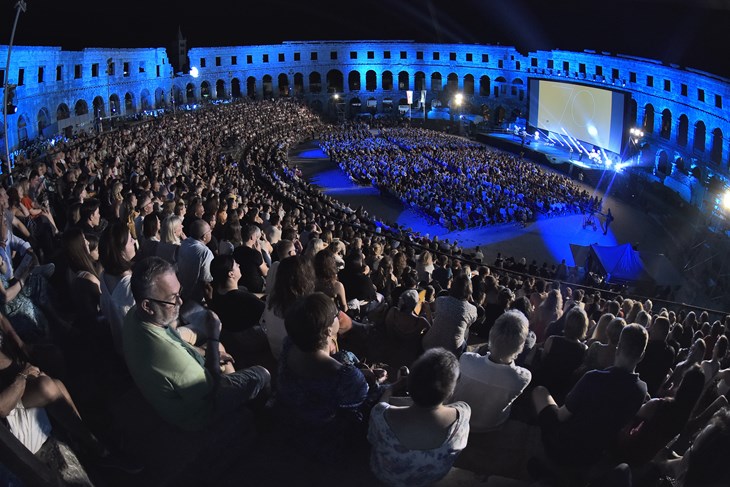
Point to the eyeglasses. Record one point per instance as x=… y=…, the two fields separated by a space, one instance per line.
x=177 y=297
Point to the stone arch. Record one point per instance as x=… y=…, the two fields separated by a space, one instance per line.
x=666 y=128
x=371 y=81
x=452 y=84
x=335 y=81
x=220 y=89
x=700 y=134
x=176 y=95
x=716 y=147
x=682 y=130
x=81 y=107
x=43 y=119
x=298 y=83
x=23 y=129
x=267 y=83
x=62 y=112
x=387 y=81
x=353 y=80
x=315 y=84
x=251 y=87
x=403 y=81
x=159 y=98
x=500 y=86
x=355 y=106
x=283 y=82
x=499 y=114
x=204 y=91
x=486 y=112
x=129 y=105
x=648 y=122
x=436 y=82
x=236 y=88
x=485 y=86
x=517 y=88
x=469 y=84
x=190 y=93
x=420 y=81
x=662 y=162
x=99 y=109
x=114 y=104
x=145 y=100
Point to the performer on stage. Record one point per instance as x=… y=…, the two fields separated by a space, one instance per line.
x=609 y=219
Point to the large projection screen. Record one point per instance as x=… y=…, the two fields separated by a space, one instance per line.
x=591 y=115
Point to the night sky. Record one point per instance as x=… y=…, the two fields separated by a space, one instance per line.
x=691 y=33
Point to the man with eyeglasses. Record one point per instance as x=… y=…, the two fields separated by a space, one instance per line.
x=187 y=388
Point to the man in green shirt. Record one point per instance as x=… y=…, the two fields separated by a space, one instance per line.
x=186 y=388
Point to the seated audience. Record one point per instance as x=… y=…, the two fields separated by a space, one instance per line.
x=601 y=403
x=491 y=383
x=404 y=330
x=453 y=315
x=320 y=400
x=186 y=388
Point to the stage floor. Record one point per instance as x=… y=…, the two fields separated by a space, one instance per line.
x=555 y=153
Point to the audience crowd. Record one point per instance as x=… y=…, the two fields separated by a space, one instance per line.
x=187 y=250
x=455 y=181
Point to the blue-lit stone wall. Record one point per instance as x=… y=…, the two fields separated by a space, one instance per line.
x=682 y=111
x=64 y=91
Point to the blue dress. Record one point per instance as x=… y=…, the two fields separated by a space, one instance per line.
x=321 y=414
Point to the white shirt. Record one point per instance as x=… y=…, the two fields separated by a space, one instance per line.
x=489 y=388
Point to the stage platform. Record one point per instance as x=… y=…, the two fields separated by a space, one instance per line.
x=544 y=151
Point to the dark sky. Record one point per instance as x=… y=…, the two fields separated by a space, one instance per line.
x=690 y=33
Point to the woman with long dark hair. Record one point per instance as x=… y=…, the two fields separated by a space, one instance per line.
x=294 y=279
x=116 y=251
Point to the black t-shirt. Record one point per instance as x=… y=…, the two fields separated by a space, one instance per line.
x=653 y=369
x=357 y=285
x=238 y=310
x=250 y=261
x=601 y=403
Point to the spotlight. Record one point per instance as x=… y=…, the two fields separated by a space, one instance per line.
x=194 y=72
x=726 y=200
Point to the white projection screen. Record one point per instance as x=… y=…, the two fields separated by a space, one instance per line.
x=591 y=115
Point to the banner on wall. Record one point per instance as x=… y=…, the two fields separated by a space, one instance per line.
x=409 y=96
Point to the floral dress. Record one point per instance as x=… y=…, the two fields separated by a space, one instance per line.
x=26 y=317
x=395 y=465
